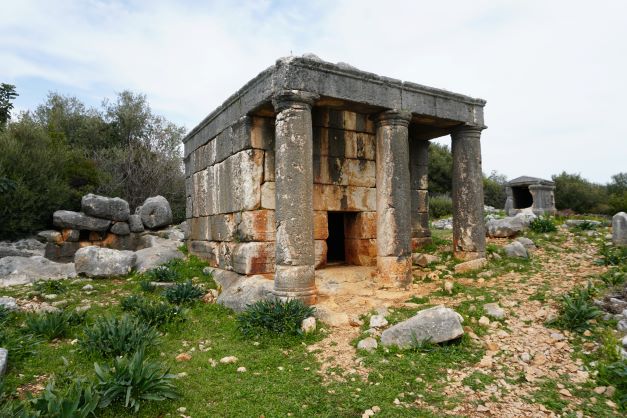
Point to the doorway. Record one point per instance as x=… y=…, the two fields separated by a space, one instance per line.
x=336 y=252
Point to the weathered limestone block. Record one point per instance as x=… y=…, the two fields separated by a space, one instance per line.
x=268 y=194
x=222 y=227
x=468 y=222
x=237 y=182
x=114 y=209
x=344 y=171
x=342 y=119
x=224 y=255
x=268 y=166
x=156 y=212
x=120 y=228
x=16 y=270
x=344 y=198
x=204 y=249
x=393 y=271
x=63 y=251
x=361 y=252
x=224 y=147
x=321 y=249
x=151 y=257
x=436 y=325
x=50 y=236
x=619 y=229
x=262 y=133
x=361 y=225
x=240 y=291
x=200 y=228
x=202 y=193
x=103 y=262
x=210 y=152
x=253 y=258
x=420 y=201
x=135 y=223
x=320 y=225
x=342 y=143
x=196 y=195
x=257 y=225
x=77 y=220
x=71 y=235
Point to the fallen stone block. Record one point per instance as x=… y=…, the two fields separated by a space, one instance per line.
x=516 y=249
x=22 y=270
x=76 y=220
x=103 y=262
x=422 y=260
x=435 y=325
x=476 y=264
x=155 y=212
x=239 y=291
x=112 y=208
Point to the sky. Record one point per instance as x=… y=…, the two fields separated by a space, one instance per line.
x=554 y=73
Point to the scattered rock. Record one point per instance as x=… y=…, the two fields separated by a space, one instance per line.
x=308 y=325
x=155 y=212
x=484 y=321
x=228 y=360
x=240 y=291
x=241 y=369
x=476 y=264
x=525 y=357
x=446 y=223
x=77 y=220
x=161 y=251
x=50 y=236
x=423 y=260
x=87 y=287
x=437 y=324
x=211 y=296
x=103 y=262
x=378 y=321
x=8 y=303
x=183 y=357
x=23 y=270
x=529 y=244
x=135 y=223
x=120 y=228
x=448 y=286
x=516 y=249
x=557 y=336
x=508 y=227
x=619 y=229
x=576 y=222
x=112 y=208
x=368 y=344
x=494 y=310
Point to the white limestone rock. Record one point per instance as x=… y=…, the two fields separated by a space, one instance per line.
x=516 y=249
x=155 y=212
x=23 y=270
x=619 y=229
x=437 y=325
x=103 y=262
x=112 y=208
x=369 y=344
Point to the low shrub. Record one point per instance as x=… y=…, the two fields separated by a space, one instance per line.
x=5 y=314
x=274 y=316
x=616 y=374
x=183 y=293
x=111 y=336
x=151 y=312
x=440 y=205
x=585 y=226
x=577 y=309
x=19 y=345
x=543 y=224
x=147 y=286
x=134 y=380
x=162 y=274
x=80 y=400
x=612 y=256
x=615 y=276
x=50 y=286
x=53 y=325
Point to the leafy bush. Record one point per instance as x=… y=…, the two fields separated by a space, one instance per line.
x=183 y=293
x=542 y=224
x=586 y=225
x=50 y=286
x=274 y=316
x=5 y=314
x=134 y=380
x=189 y=267
x=111 y=336
x=616 y=374
x=614 y=276
x=577 y=309
x=440 y=205
x=147 y=286
x=152 y=313
x=612 y=256
x=494 y=190
x=80 y=400
x=19 y=345
x=440 y=169
x=574 y=192
x=53 y=325
x=162 y=274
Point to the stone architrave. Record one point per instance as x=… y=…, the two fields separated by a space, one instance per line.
x=294 y=253
x=468 y=222
x=393 y=199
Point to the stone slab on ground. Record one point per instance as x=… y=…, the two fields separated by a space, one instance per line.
x=494 y=310
x=4 y=360
x=423 y=260
x=8 y=303
x=23 y=270
x=159 y=253
x=436 y=325
x=112 y=208
x=103 y=262
x=476 y=264
x=78 y=220
x=516 y=249
x=368 y=344
x=240 y=291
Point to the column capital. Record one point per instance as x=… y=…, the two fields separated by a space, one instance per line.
x=284 y=99
x=392 y=117
x=467 y=130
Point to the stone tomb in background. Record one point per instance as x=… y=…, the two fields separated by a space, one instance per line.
x=313 y=163
x=530 y=193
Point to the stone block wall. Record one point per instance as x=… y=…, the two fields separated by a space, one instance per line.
x=231 y=191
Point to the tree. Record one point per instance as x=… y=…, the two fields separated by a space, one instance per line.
x=440 y=169
x=7 y=95
x=576 y=193
x=494 y=190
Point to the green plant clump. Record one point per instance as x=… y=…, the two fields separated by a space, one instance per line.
x=53 y=325
x=111 y=336
x=274 y=316
x=50 y=286
x=134 y=380
x=162 y=274
x=183 y=293
x=577 y=309
x=80 y=400
x=151 y=312
x=542 y=225
x=612 y=256
x=17 y=344
x=440 y=205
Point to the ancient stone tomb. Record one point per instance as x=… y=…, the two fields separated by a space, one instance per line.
x=313 y=163
x=530 y=193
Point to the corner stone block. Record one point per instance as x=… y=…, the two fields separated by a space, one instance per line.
x=205 y=250
x=394 y=271
x=262 y=133
x=253 y=258
x=257 y=225
x=362 y=225
x=268 y=193
x=321 y=225
x=200 y=229
x=361 y=252
x=222 y=227
x=224 y=255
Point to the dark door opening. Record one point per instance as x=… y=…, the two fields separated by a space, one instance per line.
x=522 y=197
x=335 y=242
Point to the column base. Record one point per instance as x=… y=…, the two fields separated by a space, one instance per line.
x=295 y=282
x=394 y=272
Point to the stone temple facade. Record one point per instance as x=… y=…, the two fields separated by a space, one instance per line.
x=530 y=193
x=313 y=163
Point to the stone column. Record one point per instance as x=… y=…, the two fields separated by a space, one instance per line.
x=468 y=223
x=393 y=199
x=419 y=175
x=295 y=255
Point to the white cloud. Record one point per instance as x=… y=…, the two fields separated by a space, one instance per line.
x=552 y=72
